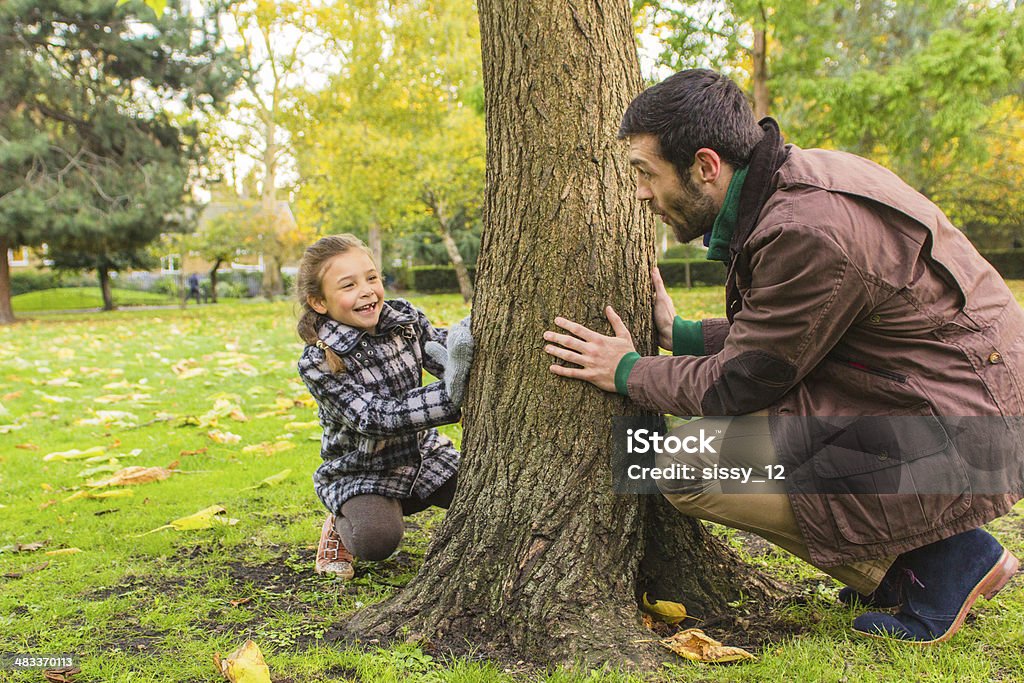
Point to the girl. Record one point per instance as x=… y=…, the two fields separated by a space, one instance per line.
x=363 y=362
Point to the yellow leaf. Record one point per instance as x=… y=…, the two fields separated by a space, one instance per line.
x=117 y=493
x=303 y=425
x=272 y=480
x=268 y=448
x=223 y=437
x=132 y=475
x=63 y=551
x=244 y=665
x=663 y=610
x=695 y=645
x=73 y=454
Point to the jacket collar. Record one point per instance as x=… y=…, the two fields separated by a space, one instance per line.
x=759 y=184
x=343 y=338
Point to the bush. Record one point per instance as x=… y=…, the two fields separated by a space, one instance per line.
x=34 y=281
x=1008 y=262
x=684 y=251
x=702 y=272
x=436 y=279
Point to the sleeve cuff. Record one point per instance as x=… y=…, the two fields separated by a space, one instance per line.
x=687 y=337
x=622 y=371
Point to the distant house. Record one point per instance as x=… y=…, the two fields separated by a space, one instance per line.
x=245 y=260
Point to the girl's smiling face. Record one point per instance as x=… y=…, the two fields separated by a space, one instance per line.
x=352 y=290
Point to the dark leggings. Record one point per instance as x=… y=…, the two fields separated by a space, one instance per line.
x=372 y=526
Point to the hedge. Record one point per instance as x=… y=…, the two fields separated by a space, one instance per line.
x=1008 y=262
x=435 y=279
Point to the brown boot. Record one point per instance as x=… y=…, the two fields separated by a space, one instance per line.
x=331 y=555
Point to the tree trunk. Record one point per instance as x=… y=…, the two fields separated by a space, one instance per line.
x=537 y=554
x=6 y=309
x=762 y=96
x=213 y=280
x=461 y=272
x=375 y=243
x=108 y=296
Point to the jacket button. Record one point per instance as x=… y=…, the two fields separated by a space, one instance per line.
x=994 y=358
x=875 y=319
x=883 y=455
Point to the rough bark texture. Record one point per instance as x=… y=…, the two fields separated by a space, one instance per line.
x=213 y=280
x=6 y=309
x=376 y=244
x=108 y=296
x=537 y=554
x=762 y=96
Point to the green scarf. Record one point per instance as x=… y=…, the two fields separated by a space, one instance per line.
x=725 y=222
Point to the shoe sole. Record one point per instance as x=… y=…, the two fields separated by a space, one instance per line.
x=990 y=584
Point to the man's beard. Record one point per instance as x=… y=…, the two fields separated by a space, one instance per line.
x=693 y=213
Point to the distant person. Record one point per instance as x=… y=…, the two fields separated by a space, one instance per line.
x=884 y=355
x=363 y=363
x=193 y=288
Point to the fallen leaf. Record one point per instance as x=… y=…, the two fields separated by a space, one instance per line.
x=116 y=493
x=204 y=519
x=31 y=570
x=11 y=396
x=132 y=475
x=315 y=424
x=65 y=675
x=240 y=601
x=63 y=551
x=272 y=480
x=695 y=645
x=23 y=547
x=73 y=454
x=27 y=446
x=198 y=451
x=244 y=665
x=43 y=506
x=269 y=448
x=223 y=437
x=663 y=610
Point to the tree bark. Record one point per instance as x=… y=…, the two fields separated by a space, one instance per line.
x=213 y=280
x=762 y=95
x=461 y=272
x=6 y=309
x=375 y=243
x=537 y=554
x=108 y=296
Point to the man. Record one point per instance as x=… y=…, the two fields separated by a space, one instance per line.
x=861 y=326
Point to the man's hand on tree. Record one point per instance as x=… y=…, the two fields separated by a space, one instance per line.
x=597 y=355
x=664 y=311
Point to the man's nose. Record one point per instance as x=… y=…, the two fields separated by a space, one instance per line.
x=643 y=192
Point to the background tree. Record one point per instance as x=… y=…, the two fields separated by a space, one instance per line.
x=537 y=553
x=274 y=42
x=929 y=88
x=94 y=165
x=396 y=135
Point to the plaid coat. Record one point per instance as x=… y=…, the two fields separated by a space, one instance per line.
x=377 y=419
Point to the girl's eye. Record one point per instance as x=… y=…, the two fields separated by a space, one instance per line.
x=348 y=285
x=372 y=278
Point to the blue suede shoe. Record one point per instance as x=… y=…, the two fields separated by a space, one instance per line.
x=944 y=580
x=888 y=594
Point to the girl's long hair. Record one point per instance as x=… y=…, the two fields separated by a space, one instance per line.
x=309 y=283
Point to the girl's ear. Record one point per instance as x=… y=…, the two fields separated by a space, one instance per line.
x=317 y=305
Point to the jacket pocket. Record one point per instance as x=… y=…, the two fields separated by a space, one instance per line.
x=891 y=477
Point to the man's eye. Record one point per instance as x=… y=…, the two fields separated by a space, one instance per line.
x=348 y=285
x=372 y=278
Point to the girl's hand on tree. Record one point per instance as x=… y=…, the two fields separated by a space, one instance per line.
x=597 y=355
x=664 y=311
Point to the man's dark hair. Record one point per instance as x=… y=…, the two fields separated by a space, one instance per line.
x=693 y=109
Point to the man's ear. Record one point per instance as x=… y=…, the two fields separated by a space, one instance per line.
x=707 y=164
x=317 y=305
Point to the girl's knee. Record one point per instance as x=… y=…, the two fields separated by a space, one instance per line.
x=371 y=538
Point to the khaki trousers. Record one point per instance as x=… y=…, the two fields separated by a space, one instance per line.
x=760 y=508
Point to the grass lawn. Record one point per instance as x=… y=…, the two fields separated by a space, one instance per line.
x=211 y=393
x=75 y=298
